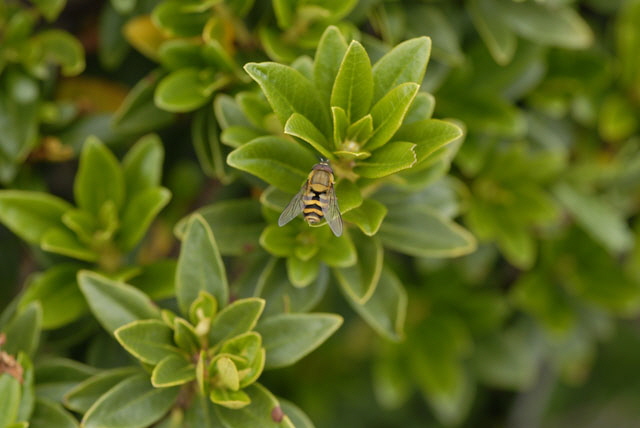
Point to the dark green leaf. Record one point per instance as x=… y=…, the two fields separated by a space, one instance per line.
x=23 y=331
x=83 y=395
x=56 y=376
x=61 y=48
x=143 y=165
x=360 y=281
x=139 y=213
x=200 y=266
x=258 y=413
x=289 y=337
x=116 y=409
x=495 y=33
x=50 y=414
x=114 y=303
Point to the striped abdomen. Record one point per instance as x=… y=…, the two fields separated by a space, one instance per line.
x=314 y=202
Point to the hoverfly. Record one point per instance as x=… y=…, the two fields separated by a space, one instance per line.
x=316 y=200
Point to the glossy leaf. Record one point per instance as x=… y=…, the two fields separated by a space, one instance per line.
x=289 y=92
x=389 y=112
x=329 y=54
x=353 y=87
x=407 y=62
x=289 y=337
x=200 y=266
x=114 y=303
x=301 y=127
x=280 y=162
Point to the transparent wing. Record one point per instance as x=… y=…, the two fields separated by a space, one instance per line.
x=293 y=209
x=332 y=212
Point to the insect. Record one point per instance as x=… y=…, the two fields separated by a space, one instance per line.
x=316 y=200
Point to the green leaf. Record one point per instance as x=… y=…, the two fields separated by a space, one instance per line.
x=329 y=54
x=150 y=341
x=50 y=9
x=557 y=26
x=63 y=241
x=289 y=337
x=302 y=272
x=301 y=127
x=601 y=221
x=138 y=114
x=57 y=376
x=280 y=162
x=239 y=317
x=50 y=414
x=112 y=46
x=100 y=178
x=10 y=391
x=156 y=280
x=353 y=87
x=340 y=126
x=429 y=135
x=236 y=223
x=61 y=48
x=229 y=399
x=289 y=92
x=419 y=231
x=187 y=89
x=385 y=310
x=298 y=418
x=173 y=370
x=348 y=195
x=30 y=214
x=496 y=34
x=185 y=336
x=368 y=216
x=138 y=215
x=204 y=134
x=28 y=394
x=117 y=409
x=23 y=331
x=113 y=303
x=360 y=130
x=200 y=266
x=389 y=112
x=87 y=392
x=178 y=19
x=391 y=158
x=142 y=165
x=58 y=293
x=407 y=62
x=257 y=413
x=360 y=281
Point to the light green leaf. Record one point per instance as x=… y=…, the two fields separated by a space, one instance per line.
x=302 y=272
x=185 y=336
x=389 y=112
x=348 y=195
x=360 y=130
x=353 y=87
x=385 y=310
x=133 y=403
x=30 y=214
x=200 y=267
x=258 y=412
x=289 y=92
x=289 y=337
x=329 y=54
x=100 y=178
x=142 y=165
x=50 y=9
x=10 y=391
x=150 y=341
x=138 y=215
x=61 y=48
x=239 y=317
x=229 y=399
x=280 y=162
x=360 y=281
x=173 y=370
x=389 y=159
x=113 y=303
x=407 y=62
x=179 y=20
x=299 y=126
x=63 y=241
x=429 y=135
x=340 y=125
x=368 y=216
x=187 y=89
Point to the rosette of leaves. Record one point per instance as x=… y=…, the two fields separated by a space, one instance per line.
x=299 y=25
x=29 y=60
x=115 y=205
x=200 y=366
x=375 y=127
x=195 y=43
